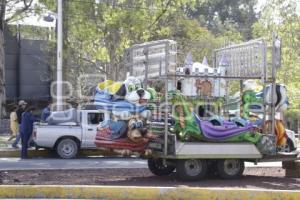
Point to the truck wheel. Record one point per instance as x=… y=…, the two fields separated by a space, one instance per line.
x=230 y=169
x=67 y=148
x=157 y=167
x=191 y=170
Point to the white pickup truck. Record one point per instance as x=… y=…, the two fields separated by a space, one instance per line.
x=67 y=135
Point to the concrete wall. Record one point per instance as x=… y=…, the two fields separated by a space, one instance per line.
x=11 y=57
x=34 y=73
x=28 y=74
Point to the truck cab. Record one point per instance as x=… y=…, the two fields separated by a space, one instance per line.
x=69 y=132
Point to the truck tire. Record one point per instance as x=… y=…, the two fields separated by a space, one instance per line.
x=231 y=168
x=156 y=166
x=191 y=170
x=67 y=148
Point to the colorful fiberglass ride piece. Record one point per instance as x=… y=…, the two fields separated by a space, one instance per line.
x=123 y=135
x=251 y=99
x=123 y=98
x=127 y=101
x=189 y=127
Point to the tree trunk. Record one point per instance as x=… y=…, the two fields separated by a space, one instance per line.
x=2 y=76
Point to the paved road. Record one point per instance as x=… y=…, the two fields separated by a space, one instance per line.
x=83 y=163
x=87 y=163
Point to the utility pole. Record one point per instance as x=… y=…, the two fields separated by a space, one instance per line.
x=59 y=54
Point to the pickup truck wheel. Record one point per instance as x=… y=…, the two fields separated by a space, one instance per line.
x=157 y=167
x=230 y=169
x=67 y=148
x=191 y=170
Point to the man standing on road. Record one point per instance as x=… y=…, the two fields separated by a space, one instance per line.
x=20 y=110
x=26 y=129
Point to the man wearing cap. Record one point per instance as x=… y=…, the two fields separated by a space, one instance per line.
x=26 y=129
x=21 y=108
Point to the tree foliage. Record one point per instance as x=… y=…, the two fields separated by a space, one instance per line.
x=223 y=15
x=96 y=34
x=281 y=17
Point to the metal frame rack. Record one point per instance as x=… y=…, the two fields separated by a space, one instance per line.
x=157 y=60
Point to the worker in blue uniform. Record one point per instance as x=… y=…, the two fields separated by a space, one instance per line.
x=46 y=112
x=26 y=129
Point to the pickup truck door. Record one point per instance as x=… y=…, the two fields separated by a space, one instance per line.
x=89 y=129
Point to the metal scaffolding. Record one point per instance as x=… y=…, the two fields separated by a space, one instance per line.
x=157 y=60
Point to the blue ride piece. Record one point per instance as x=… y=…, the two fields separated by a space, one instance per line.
x=104 y=100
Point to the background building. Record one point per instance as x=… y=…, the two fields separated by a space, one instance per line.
x=27 y=67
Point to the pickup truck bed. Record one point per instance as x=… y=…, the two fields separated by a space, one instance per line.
x=47 y=136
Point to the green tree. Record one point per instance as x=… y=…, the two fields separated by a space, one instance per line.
x=96 y=34
x=282 y=17
x=223 y=15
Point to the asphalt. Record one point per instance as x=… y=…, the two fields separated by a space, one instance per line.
x=7 y=164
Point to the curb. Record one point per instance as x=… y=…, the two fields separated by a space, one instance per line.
x=16 y=153
x=123 y=192
x=12 y=153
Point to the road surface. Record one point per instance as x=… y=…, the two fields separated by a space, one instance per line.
x=253 y=178
x=87 y=163
x=131 y=172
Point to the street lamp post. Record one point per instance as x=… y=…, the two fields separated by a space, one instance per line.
x=59 y=54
